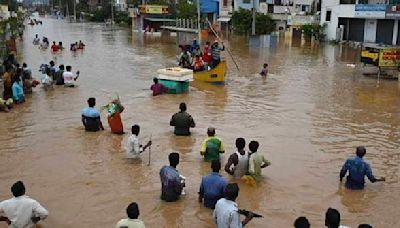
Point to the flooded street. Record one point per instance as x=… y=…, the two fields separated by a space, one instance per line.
x=308 y=115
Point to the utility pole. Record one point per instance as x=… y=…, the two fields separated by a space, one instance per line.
x=112 y=12
x=198 y=21
x=253 y=24
x=59 y=7
x=75 y=11
x=69 y=18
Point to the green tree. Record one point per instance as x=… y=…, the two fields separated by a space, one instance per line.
x=186 y=10
x=242 y=20
x=264 y=24
x=316 y=30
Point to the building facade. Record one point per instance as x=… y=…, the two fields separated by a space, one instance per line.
x=284 y=12
x=370 y=21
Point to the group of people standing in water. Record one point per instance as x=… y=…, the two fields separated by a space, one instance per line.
x=16 y=81
x=214 y=191
x=55 y=48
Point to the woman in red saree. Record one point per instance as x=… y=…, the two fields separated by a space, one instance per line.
x=114 y=116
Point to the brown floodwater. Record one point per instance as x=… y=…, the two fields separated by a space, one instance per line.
x=308 y=115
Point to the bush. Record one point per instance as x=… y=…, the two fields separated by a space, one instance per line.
x=316 y=30
x=98 y=16
x=122 y=18
x=242 y=20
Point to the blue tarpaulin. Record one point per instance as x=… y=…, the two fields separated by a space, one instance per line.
x=209 y=6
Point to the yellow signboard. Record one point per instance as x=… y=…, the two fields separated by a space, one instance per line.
x=389 y=57
x=154 y=9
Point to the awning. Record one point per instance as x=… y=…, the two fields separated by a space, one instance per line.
x=224 y=19
x=159 y=19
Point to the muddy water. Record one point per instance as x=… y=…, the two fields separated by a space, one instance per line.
x=309 y=115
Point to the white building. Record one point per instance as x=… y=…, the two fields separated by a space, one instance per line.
x=284 y=12
x=361 y=20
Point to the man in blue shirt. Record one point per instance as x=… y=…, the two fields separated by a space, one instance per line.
x=91 y=117
x=213 y=186
x=358 y=168
x=172 y=182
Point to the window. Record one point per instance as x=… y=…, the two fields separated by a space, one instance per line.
x=347 y=1
x=225 y=3
x=246 y=1
x=270 y=8
x=328 y=15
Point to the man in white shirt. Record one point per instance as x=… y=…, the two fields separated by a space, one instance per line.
x=332 y=219
x=69 y=77
x=132 y=221
x=134 y=148
x=21 y=211
x=226 y=213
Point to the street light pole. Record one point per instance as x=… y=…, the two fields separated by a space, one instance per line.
x=112 y=12
x=74 y=10
x=198 y=21
x=253 y=24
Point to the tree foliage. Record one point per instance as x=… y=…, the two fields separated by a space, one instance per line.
x=242 y=20
x=264 y=24
x=316 y=30
x=186 y=10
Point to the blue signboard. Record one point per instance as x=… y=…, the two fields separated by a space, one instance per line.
x=370 y=10
x=370 y=7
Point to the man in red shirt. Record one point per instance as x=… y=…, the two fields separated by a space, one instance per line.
x=158 y=88
x=54 y=47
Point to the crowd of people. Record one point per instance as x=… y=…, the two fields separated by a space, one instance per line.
x=193 y=58
x=214 y=191
x=17 y=81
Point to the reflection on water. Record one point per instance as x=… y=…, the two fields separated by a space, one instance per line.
x=309 y=114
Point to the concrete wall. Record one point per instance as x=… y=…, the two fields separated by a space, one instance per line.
x=337 y=10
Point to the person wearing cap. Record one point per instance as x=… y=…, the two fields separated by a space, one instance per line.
x=212 y=146
x=21 y=211
x=358 y=169
x=216 y=52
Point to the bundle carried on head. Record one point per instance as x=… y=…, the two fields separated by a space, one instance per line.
x=113 y=107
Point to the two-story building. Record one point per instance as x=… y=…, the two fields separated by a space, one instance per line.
x=284 y=12
x=372 y=21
